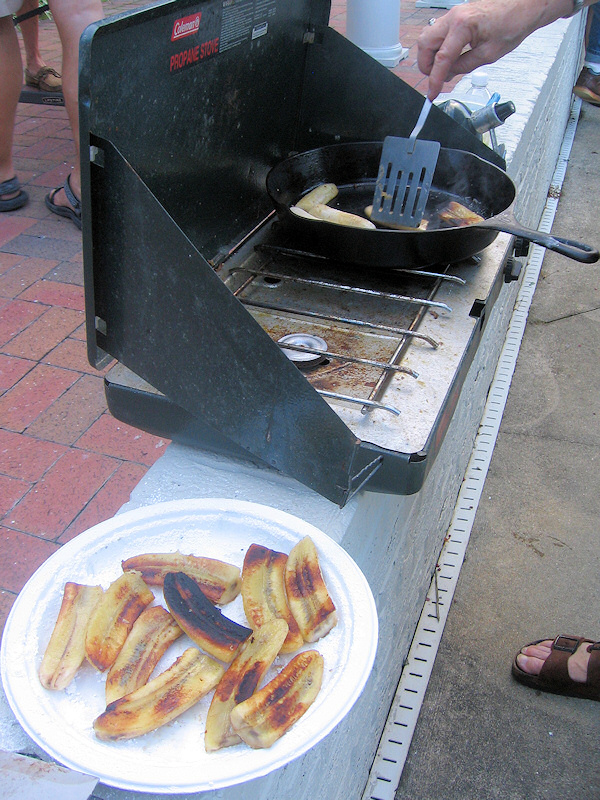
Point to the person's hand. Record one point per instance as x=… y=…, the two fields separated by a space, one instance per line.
x=473 y=34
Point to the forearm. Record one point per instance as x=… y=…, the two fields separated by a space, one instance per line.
x=477 y=33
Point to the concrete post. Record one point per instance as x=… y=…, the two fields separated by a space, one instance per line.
x=374 y=26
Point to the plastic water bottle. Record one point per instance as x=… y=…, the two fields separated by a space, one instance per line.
x=477 y=94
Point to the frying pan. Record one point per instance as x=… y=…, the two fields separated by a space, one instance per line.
x=459 y=175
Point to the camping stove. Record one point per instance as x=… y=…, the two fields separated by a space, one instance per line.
x=229 y=336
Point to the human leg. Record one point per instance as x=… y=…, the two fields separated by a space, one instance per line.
x=10 y=90
x=588 y=82
x=71 y=18
x=37 y=72
x=592 y=49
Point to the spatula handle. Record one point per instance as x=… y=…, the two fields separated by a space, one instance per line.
x=420 y=122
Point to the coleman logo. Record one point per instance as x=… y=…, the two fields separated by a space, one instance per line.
x=186 y=26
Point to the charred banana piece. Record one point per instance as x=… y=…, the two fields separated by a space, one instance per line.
x=263 y=592
x=162 y=699
x=66 y=649
x=113 y=618
x=205 y=624
x=268 y=714
x=241 y=680
x=152 y=633
x=307 y=594
x=219 y=581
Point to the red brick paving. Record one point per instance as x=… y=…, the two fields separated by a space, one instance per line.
x=65 y=462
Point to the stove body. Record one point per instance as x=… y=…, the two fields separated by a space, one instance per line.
x=190 y=281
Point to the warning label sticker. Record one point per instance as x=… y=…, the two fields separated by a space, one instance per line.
x=245 y=20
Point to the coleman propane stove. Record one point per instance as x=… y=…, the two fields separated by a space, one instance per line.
x=229 y=334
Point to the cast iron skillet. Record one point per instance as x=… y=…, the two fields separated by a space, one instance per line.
x=459 y=175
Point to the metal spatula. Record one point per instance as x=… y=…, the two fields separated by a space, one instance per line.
x=404 y=179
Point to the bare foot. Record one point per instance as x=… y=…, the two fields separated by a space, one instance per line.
x=531 y=660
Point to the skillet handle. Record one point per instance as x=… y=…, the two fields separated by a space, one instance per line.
x=566 y=247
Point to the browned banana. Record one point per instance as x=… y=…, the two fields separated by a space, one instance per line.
x=263 y=592
x=152 y=633
x=267 y=715
x=307 y=594
x=205 y=624
x=66 y=648
x=219 y=581
x=113 y=618
x=162 y=699
x=241 y=680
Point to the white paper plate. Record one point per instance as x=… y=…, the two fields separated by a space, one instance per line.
x=172 y=759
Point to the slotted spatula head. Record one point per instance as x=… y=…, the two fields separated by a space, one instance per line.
x=404 y=178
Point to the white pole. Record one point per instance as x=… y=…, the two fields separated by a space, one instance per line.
x=374 y=26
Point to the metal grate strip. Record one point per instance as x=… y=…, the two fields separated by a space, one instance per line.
x=394 y=745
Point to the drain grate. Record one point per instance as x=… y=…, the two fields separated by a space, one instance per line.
x=398 y=732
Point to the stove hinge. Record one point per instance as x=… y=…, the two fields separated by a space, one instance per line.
x=357 y=481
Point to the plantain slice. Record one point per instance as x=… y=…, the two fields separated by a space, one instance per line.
x=263 y=592
x=240 y=681
x=268 y=714
x=307 y=594
x=205 y=624
x=152 y=633
x=66 y=649
x=219 y=581
x=459 y=215
x=162 y=699
x=113 y=618
x=321 y=194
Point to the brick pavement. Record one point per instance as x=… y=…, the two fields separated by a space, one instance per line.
x=65 y=462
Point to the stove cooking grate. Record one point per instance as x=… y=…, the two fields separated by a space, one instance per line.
x=366 y=321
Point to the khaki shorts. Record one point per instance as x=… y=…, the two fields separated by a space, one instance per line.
x=9 y=7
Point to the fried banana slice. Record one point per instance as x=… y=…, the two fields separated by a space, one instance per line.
x=457 y=214
x=113 y=618
x=241 y=680
x=307 y=594
x=319 y=195
x=268 y=714
x=263 y=592
x=66 y=649
x=335 y=215
x=152 y=633
x=219 y=581
x=162 y=699
x=205 y=624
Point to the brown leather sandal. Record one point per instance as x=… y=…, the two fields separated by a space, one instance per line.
x=46 y=79
x=554 y=676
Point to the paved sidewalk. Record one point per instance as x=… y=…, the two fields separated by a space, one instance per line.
x=533 y=559
x=65 y=462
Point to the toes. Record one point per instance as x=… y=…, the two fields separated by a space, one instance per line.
x=530 y=664
x=541 y=650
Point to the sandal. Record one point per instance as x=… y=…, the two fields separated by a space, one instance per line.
x=46 y=79
x=72 y=212
x=554 y=676
x=12 y=203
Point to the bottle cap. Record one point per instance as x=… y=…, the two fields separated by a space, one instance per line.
x=479 y=78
